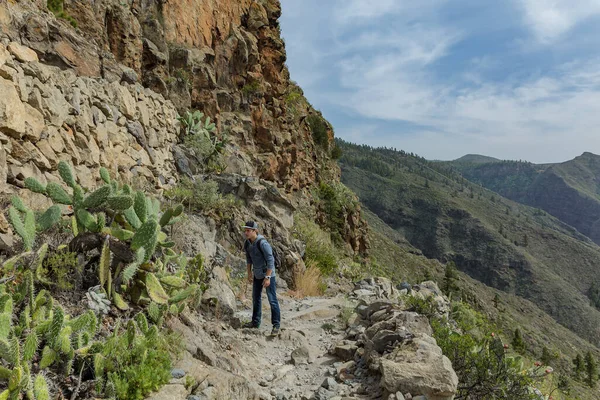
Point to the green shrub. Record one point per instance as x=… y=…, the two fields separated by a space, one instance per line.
x=196 y=271
x=57 y=7
x=549 y=357
x=345 y=315
x=319 y=247
x=328 y=327
x=481 y=360
x=450 y=277
x=184 y=76
x=470 y=321
x=421 y=306
x=354 y=271
x=594 y=294
x=63 y=269
x=336 y=201
x=139 y=367
x=336 y=152
x=293 y=101
x=204 y=196
x=201 y=137
x=319 y=129
x=252 y=88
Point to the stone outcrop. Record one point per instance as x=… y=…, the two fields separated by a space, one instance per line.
x=386 y=339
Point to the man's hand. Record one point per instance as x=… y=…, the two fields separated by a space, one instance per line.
x=249 y=277
x=266 y=282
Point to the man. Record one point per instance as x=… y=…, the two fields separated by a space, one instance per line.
x=261 y=273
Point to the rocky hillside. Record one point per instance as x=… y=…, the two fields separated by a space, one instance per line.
x=503 y=244
x=108 y=93
x=224 y=58
x=135 y=137
x=569 y=191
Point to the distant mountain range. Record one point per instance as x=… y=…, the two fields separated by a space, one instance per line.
x=445 y=211
x=570 y=191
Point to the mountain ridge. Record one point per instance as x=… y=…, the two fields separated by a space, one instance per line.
x=494 y=240
x=569 y=190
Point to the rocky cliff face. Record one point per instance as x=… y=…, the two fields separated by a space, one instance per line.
x=225 y=58
x=108 y=92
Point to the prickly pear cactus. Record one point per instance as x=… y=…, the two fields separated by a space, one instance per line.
x=66 y=173
x=58 y=194
x=119 y=203
x=96 y=198
x=34 y=185
x=155 y=290
x=49 y=218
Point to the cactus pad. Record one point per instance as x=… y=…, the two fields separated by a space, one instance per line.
x=87 y=220
x=40 y=388
x=34 y=185
x=49 y=356
x=140 y=206
x=58 y=194
x=183 y=294
x=119 y=203
x=49 y=218
x=166 y=217
x=173 y=281
x=105 y=175
x=97 y=197
x=66 y=173
x=119 y=302
x=132 y=218
x=155 y=289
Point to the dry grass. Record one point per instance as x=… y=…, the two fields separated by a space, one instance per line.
x=308 y=283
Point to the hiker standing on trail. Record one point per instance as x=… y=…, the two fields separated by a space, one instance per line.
x=260 y=260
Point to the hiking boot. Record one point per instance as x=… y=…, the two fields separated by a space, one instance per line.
x=251 y=325
x=275 y=331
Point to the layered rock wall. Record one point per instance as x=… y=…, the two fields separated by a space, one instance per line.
x=225 y=58
x=107 y=93
x=49 y=114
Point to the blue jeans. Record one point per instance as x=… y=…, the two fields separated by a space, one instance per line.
x=257 y=288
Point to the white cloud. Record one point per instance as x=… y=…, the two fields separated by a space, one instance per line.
x=549 y=19
x=357 y=11
x=543 y=114
x=351 y=56
x=352 y=10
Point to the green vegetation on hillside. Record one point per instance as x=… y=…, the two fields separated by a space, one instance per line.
x=200 y=136
x=485 y=366
x=430 y=209
x=57 y=7
x=570 y=191
x=319 y=129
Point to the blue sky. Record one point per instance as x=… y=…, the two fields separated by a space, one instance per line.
x=513 y=79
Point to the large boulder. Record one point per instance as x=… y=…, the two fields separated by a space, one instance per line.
x=305 y=354
x=219 y=294
x=419 y=367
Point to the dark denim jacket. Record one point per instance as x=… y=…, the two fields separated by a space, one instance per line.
x=259 y=263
